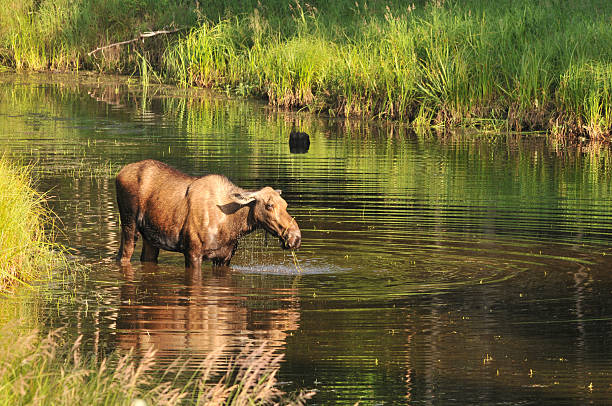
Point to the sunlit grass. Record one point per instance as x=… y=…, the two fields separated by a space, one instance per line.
x=58 y=34
x=534 y=66
x=26 y=248
x=38 y=369
x=475 y=63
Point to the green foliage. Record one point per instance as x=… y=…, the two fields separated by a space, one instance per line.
x=25 y=245
x=456 y=64
x=534 y=65
x=585 y=93
x=48 y=34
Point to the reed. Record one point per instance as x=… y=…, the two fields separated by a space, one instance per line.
x=41 y=369
x=26 y=247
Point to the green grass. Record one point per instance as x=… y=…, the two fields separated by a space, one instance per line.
x=533 y=65
x=41 y=369
x=57 y=35
x=530 y=65
x=25 y=244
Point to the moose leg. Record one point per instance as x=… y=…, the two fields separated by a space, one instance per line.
x=128 y=241
x=193 y=277
x=224 y=256
x=149 y=252
x=193 y=260
x=220 y=262
x=127 y=209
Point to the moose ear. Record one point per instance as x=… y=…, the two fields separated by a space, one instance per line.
x=243 y=197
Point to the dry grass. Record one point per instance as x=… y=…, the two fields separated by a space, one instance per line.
x=47 y=370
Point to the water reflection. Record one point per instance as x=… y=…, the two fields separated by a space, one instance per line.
x=434 y=269
x=210 y=310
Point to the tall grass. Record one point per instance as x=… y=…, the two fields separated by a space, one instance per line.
x=58 y=34
x=532 y=65
x=524 y=65
x=47 y=370
x=25 y=244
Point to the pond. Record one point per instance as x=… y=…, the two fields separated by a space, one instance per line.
x=434 y=269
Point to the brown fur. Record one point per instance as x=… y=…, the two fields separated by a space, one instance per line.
x=203 y=218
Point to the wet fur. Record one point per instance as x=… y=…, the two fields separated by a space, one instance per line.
x=197 y=216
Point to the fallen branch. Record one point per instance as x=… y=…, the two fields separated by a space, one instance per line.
x=141 y=36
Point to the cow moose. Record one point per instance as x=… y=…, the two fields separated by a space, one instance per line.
x=201 y=217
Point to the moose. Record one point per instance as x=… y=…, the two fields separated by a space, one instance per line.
x=200 y=217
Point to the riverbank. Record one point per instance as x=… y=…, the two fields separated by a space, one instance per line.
x=509 y=65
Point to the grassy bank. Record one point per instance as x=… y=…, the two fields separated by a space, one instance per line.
x=520 y=65
x=25 y=246
x=47 y=370
x=523 y=65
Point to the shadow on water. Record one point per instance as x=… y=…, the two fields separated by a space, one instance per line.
x=446 y=269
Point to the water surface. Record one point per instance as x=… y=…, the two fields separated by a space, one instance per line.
x=435 y=269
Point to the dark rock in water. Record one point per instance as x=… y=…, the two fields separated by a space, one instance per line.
x=299 y=142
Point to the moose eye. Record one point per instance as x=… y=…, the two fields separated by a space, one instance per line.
x=269 y=206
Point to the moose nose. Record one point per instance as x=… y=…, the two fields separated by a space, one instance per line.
x=294 y=239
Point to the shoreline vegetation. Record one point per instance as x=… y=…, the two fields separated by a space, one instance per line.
x=506 y=65
x=44 y=369
x=27 y=251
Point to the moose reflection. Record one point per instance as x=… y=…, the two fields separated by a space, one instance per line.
x=203 y=314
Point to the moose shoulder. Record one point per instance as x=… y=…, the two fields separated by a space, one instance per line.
x=201 y=217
